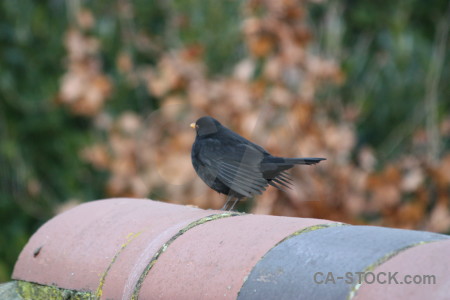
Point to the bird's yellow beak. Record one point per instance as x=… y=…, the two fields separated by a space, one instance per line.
x=193 y=125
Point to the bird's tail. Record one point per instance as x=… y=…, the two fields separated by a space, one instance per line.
x=303 y=160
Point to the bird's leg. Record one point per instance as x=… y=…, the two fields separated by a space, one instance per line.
x=236 y=200
x=230 y=196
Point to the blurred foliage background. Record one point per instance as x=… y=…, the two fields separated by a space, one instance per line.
x=96 y=99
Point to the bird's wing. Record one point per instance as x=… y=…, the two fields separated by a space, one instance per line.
x=282 y=181
x=242 y=178
x=238 y=167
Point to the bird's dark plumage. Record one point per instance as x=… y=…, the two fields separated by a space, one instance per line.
x=234 y=166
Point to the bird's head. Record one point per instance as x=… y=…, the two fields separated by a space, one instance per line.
x=206 y=125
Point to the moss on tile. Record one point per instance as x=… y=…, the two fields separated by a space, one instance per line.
x=29 y=290
x=130 y=237
x=379 y=262
x=170 y=241
x=311 y=228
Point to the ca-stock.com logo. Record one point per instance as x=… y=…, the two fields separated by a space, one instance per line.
x=352 y=278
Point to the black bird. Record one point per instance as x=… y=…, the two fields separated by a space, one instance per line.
x=234 y=166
